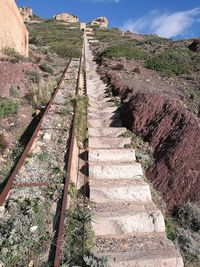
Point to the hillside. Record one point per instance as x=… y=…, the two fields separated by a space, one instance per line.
x=152 y=83
x=157 y=81
x=27 y=83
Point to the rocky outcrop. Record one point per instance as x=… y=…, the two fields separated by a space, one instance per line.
x=13 y=32
x=69 y=18
x=26 y=13
x=102 y=22
x=195 y=46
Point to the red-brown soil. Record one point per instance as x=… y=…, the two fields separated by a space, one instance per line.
x=155 y=108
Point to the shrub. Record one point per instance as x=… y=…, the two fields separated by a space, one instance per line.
x=33 y=76
x=45 y=67
x=8 y=107
x=171 y=228
x=13 y=91
x=188 y=216
x=123 y=50
x=170 y=63
x=8 y=51
x=41 y=94
x=92 y=261
x=3 y=142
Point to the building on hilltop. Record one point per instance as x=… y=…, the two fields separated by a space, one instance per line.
x=13 y=32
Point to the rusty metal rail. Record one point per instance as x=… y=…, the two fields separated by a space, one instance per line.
x=60 y=231
x=22 y=158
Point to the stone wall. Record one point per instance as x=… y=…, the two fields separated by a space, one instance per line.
x=13 y=32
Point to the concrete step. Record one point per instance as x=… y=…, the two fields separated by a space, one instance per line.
x=98 y=116
x=126 y=218
x=103 y=132
x=115 y=170
x=143 y=251
x=119 y=155
x=108 y=142
x=107 y=191
x=95 y=123
x=103 y=109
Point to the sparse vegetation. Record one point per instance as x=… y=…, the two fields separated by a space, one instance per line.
x=123 y=50
x=45 y=67
x=8 y=107
x=174 y=62
x=33 y=76
x=57 y=38
x=81 y=119
x=41 y=94
x=23 y=230
x=13 y=92
x=144 y=153
x=12 y=53
x=183 y=229
x=78 y=231
x=3 y=143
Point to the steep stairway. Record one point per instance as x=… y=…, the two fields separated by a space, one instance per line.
x=128 y=227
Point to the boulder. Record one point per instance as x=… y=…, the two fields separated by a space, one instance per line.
x=26 y=13
x=195 y=46
x=69 y=18
x=102 y=22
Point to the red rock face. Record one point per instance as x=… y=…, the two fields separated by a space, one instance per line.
x=175 y=135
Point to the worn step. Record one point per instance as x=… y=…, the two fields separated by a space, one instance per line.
x=126 y=218
x=103 y=109
x=119 y=155
x=97 y=116
x=115 y=170
x=107 y=191
x=143 y=251
x=108 y=142
x=106 y=131
x=95 y=123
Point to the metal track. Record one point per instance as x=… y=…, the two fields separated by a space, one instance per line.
x=24 y=155
x=60 y=231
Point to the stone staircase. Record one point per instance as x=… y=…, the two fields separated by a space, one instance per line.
x=128 y=227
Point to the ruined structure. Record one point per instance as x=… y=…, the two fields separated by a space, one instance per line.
x=102 y=22
x=26 y=13
x=69 y=18
x=13 y=32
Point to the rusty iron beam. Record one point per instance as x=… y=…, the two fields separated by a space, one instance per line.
x=21 y=160
x=36 y=184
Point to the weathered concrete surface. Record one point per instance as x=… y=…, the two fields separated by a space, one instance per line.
x=107 y=142
x=106 y=132
x=115 y=171
x=112 y=155
x=126 y=218
x=105 y=191
x=153 y=250
x=13 y=32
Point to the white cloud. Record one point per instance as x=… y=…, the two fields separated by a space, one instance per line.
x=166 y=25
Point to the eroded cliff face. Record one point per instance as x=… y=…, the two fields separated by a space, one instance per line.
x=174 y=133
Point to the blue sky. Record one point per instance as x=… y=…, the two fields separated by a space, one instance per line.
x=168 y=18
